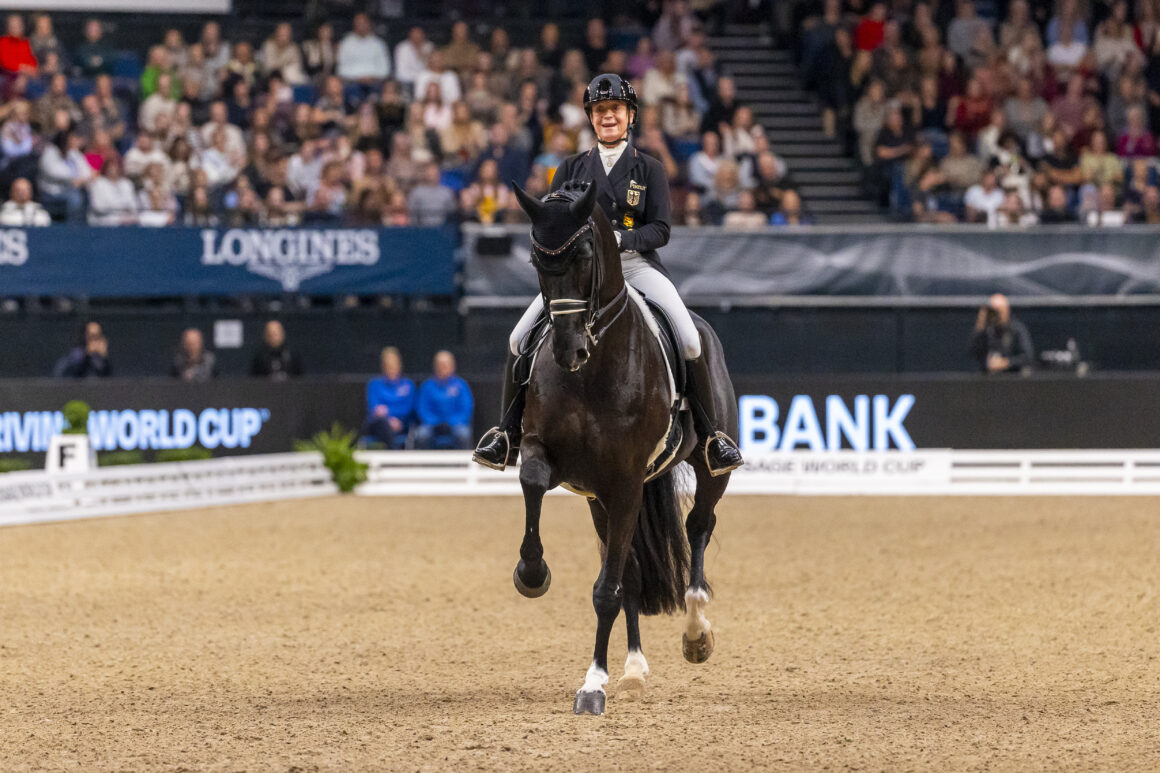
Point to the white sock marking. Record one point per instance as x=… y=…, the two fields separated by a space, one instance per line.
x=635 y=664
x=595 y=679
x=696 y=623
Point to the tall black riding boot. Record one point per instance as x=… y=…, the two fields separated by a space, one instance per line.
x=500 y=446
x=721 y=453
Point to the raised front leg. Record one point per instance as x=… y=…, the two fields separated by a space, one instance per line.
x=608 y=594
x=531 y=576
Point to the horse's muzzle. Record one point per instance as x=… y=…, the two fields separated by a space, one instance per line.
x=574 y=359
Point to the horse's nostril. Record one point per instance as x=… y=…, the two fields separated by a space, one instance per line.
x=582 y=354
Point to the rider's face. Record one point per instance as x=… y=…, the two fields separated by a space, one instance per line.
x=609 y=120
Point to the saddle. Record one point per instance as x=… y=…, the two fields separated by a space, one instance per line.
x=666 y=336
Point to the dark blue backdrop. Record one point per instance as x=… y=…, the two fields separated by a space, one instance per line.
x=132 y=262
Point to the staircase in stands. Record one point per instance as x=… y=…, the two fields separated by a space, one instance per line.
x=767 y=80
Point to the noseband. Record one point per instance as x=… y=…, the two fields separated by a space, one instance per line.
x=600 y=318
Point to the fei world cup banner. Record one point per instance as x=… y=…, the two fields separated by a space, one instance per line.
x=128 y=261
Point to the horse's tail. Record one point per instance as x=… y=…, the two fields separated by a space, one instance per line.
x=661 y=548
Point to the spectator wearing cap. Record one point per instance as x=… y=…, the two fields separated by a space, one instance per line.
x=112 y=199
x=362 y=56
x=20 y=209
x=16 y=55
x=64 y=174
x=281 y=54
x=411 y=57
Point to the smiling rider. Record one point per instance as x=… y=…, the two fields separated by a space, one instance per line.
x=633 y=191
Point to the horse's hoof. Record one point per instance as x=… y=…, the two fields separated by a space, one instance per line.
x=630 y=687
x=697 y=651
x=589 y=703
x=535 y=587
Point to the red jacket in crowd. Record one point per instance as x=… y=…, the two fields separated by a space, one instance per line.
x=16 y=54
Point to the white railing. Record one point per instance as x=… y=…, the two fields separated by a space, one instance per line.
x=33 y=497
x=935 y=472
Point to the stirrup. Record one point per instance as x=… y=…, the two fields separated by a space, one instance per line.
x=499 y=433
x=716 y=471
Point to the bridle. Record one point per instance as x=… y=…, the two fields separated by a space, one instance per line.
x=600 y=318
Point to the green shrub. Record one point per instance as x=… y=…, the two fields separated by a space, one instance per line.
x=14 y=465
x=191 y=454
x=117 y=458
x=76 y=418
x=337 y=449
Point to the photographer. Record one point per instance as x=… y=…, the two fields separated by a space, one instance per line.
x=89 y=358
x=1000 y=344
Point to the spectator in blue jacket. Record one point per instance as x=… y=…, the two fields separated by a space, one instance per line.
x=390 y=402
x=445 y=408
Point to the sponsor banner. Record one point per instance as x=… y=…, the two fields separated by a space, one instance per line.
x=133 y=262
x=226 y=417
x=891 y=261
x=838 y=472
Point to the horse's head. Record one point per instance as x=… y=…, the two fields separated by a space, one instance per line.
x=571 y=244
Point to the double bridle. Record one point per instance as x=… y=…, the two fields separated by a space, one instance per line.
x=600 y=318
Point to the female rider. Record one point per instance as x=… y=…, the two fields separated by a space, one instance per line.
x=633 y=191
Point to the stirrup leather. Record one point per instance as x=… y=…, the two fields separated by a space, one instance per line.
x=499 y=433
x=715 y=471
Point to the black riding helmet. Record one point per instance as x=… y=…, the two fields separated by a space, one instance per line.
x=609 y=86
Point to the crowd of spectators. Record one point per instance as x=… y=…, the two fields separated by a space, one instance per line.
x=1006 y=113
x=338 y=126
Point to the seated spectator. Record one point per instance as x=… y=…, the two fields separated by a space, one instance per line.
x=1061 y=165
x=319 y=53
x=661 y=81
x=984 y=199
x=460 y=53
x=770 y=183
x=281 y=54
x=241 y=66
x=487 y=199
x=595 y=44
x=217 y=53
x=1056 y=211
x=444 y=408
x=20 y=209
x=1098 y=165
x=465 y=138
x=56 y=98
x=436 y=113
x=725 y=193
x=960 y=170
x=512 y=161
x=362 y=56
x=198 y=79
x=1069 y=107
x=1115 y=49
x=18 y=142
x=1149 y=211
x=871 y=29
x=327 y=197
x=43 y=39
x=1013 y=212
x=679 y=117
x=219 y=119
x=16 y=55
x=1066 y=54
x=437 y=72
x=64 y=175
x=100 y=150
x=330 y=111
x=221 y=165
x=274 y=359
x=1000 y=343
x=411 y=57
x=157 y=64
x=746 y=216
x=159 y=102
x=1067 y=17
x=89 y=358
x=1136 y=141
x=390 y=402
x=891 y=148
x=1025 y=110
x=145 y=151
x=1130 y=92
x=869 y=118
x=94 y=56
x=1107 y=212
x=193 y=362
x=112 y=200
x=790 y=212
x=198 y=211
x=704 y=163
x=722 y=107
x=964 y=28
x=431 y=203
x=174 y=43
x=972 y=111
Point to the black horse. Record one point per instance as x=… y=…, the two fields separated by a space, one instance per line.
x=597 y=408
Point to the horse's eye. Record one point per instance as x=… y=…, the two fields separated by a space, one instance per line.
x=584 y=251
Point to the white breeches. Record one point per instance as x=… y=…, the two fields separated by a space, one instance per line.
x=646 y=279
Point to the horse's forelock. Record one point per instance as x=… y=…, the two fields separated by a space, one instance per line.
x=556 y=224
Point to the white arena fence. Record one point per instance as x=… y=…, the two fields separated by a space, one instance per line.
x=32 y=497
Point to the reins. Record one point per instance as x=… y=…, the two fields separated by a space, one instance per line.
x=596 y=325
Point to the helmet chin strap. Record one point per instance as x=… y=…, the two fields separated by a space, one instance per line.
x=614 y=143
